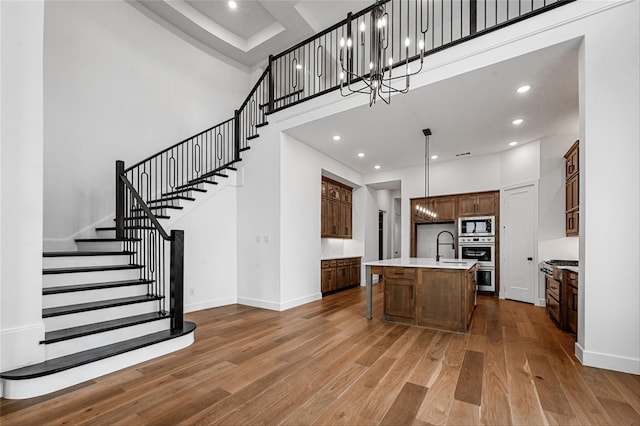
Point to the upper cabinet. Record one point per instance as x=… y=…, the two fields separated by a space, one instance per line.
x=572 y=190
x=443 y=207
x=337 y=209
x=478 y=204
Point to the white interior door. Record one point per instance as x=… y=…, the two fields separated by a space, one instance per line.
x=518 y=243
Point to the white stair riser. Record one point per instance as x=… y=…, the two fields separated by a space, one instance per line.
x=105 y=245
x=67 y=347
x=106 y=234
x=53 y=280
x=64 y=299
x=29 y=388
x=99 y=315
x=165 y=203
x=71 y=261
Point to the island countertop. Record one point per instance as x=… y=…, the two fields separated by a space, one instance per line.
x=423 y=262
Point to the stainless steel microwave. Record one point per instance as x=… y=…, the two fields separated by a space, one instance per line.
x=476 y=226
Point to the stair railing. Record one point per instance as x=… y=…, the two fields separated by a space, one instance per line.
x=146 y=238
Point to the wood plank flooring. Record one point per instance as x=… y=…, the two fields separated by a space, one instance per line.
x=324 y=363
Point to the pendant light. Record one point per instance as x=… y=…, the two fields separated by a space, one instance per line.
x=422 y=208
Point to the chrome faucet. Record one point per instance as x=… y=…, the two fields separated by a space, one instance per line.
x=453 y=244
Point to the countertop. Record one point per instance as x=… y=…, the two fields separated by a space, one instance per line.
x=423 y=262
x=569 y=268
x=340 y=257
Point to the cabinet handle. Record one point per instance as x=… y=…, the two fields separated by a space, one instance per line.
x=574 y=302
x=570 y=223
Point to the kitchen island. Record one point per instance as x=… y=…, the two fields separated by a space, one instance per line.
x=421 y=291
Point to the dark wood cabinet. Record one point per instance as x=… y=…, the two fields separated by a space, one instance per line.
x=429 y=297
x=570 y=301
x=479 y=204
x=399 y=297
x=336 y=210
x=443 y=207
x=339 y=274
x=572 y=191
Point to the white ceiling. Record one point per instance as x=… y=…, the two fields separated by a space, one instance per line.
x=252 y=31
x=469 y=113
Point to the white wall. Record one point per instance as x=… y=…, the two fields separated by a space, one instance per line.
x=301 y=170
x=609 y=323
x=117 y=86
x=552 y=242
x=21 y=152
x=210 y=252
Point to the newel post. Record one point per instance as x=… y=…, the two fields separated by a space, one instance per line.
x=176 y=279
x=119 y=200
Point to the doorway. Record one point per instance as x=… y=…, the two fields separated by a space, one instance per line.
x=518 y=252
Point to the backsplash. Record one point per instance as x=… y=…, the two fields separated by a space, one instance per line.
x=331 y=248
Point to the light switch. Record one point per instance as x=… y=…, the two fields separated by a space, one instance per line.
x=267 y=239
x=257 y=238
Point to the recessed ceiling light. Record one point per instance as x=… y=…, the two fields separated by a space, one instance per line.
x=434 y=157
x=232 y=4
x=514 y=143
x=523 y=89
x=518 y=121
x=377 y=167
x=336 y=138
x=361 y=154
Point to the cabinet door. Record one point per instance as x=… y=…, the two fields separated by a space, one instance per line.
x=345 y=195
x=471 y=293
x=334 y=191
x=325 y=219
x=345 y=221
x=485 y=204
x=323 y=189
x=572 y=162
x=334 y=218
x=572 y=219
x=355 y=274
x=445 y=208
x=572 y=193
x=572 y=309
x=467 y=205
x=343 y=275
x=328 y=280
x=399 y=298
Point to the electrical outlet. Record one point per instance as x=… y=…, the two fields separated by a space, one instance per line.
x=257 y=238
x=192 y=291
x=267 y=239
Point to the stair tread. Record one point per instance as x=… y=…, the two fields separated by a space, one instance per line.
x=75 y=269
x=85 y=253
x=174 y=197
x=113 y=228
x=91 y=306
x=67 y=362
x=106 y=240
x=93 y=286
x=252 y=137
x=100 y=327
x=186 y=189
x=159 y=206
x=143 y=217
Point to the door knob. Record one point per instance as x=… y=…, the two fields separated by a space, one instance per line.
x=529 y=258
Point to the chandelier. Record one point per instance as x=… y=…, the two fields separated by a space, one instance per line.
x=378 y=80
x=422 y=208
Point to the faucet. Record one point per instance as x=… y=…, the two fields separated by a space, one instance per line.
x=453 y=244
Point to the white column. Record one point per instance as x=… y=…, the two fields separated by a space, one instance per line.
x=21 y=159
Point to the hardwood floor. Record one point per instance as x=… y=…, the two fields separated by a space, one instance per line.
x=324 y=363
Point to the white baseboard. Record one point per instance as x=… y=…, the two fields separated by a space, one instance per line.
x=208 y=304
x=607 y=361
x=21 y=346
x=257 y=303
x=541 y=302
x=300 y=301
